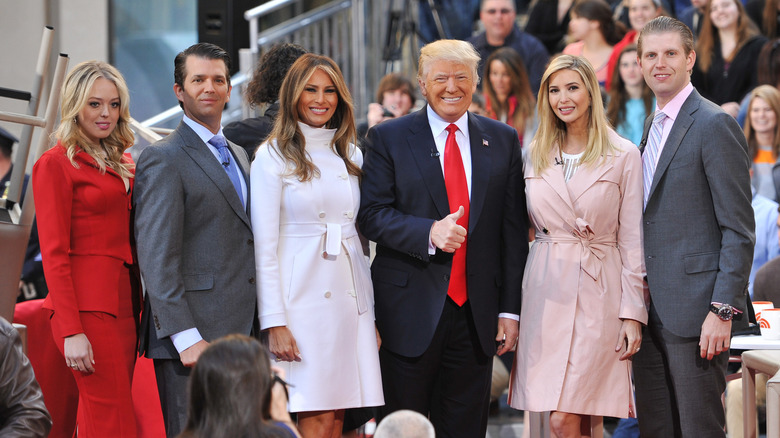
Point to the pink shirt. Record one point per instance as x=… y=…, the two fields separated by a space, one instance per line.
x=576 y=49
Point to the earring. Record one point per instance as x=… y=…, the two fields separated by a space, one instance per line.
x=75 y=120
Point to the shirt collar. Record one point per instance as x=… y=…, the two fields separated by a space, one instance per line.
x=672 y=109
x=201 y=130
x=438 y=125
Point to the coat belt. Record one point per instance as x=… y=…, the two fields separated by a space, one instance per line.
x=594 y=249
x=336 y=235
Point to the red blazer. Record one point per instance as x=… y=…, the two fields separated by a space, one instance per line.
x=84 y=225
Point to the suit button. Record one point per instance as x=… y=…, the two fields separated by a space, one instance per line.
x=327 y=294
x=250 y=241
x=446 y=277
x=251 y=280
x=349 y=214
x=322 y=214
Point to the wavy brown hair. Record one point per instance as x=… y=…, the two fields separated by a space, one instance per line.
x=270 y=72
x=75 y=96
x=521 y=87
x=708 y=36
x=290 y=143
x=618 y=96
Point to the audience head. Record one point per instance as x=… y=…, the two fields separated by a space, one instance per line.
x=642 y=11
x=569 y=98
x=396 y=93
x=202 y=83
x=721 y=16
x=230 y=390
x=498 y=17
x=669 y=39
x=589 y=15
x=7 y=141
x=762 y=118
x=270 y=72
x=769 y=63
x=627 y=75
x=405 y=424
x=448 y=69
x=769 y=19
x=506 y=78
x=95 y=111
x=477 y=104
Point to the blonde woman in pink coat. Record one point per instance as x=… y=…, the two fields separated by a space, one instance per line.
x=583 y=303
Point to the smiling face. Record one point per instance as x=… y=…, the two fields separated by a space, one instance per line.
x=640 y=12
x=724 y=14
x=205 y=91
x=397 y=101
x=569 y=98
x=318 y=100
x=448 y=86
x=665 y=65
x=630 y=72
x=500 y=80
x=98 y=118
x=762 y=118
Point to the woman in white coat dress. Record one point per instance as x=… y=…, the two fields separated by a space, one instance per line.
x=314 y=291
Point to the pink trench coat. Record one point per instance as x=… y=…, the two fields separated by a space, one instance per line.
x=584 y=273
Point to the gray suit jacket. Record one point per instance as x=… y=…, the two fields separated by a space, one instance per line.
x=194 y=241
x=698 y=222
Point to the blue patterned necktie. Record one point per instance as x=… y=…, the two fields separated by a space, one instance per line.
x=650 y=154
x=228 y=163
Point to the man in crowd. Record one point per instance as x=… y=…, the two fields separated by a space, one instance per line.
x=498 y=17
x=698 y=231
x=443 y=198
x=195 y=246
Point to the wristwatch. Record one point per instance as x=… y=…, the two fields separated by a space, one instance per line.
x=725 y=312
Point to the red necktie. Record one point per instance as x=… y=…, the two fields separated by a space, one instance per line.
x=457 y=195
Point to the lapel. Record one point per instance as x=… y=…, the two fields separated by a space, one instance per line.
x=646 y=131
x=587 y=175
x=681 y=125
x=553 y=176
x=423 y=150
x=480 y=168
x=204 y=159
x=85 y=158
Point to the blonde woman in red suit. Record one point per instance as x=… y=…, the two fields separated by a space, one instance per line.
x=83 y=188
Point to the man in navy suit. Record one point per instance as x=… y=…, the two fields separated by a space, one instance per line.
x=443 y=198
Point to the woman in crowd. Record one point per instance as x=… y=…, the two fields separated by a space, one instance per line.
x=726 y=54
x=263 y=91
x=582 y=290
x=83 y=187
x=630 y=99
x=595 y=33
x=234 y=393
x=315 y=292
x=508 y=96
x=766 y=15
x=763 y=135
x=639 y=13
x=395 y=97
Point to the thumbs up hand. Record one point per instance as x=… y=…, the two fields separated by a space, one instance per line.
x=446 y=234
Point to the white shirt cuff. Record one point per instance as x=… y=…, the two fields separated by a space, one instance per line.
x=186 y=339
x=509 y=316
x=431 y=246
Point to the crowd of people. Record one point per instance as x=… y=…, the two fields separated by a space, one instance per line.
x=596 y=222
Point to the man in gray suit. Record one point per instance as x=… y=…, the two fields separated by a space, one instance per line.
x=698 y=239
x=193 y=234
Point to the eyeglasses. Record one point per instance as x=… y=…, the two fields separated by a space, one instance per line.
x=505 y=11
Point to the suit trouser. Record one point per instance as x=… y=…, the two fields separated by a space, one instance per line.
x=172 y=381
x=678 y=394
x=450 y=381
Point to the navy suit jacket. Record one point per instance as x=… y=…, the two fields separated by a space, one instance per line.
x=403 y=193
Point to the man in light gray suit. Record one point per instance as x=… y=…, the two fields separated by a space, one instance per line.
x=698 y=239
x=194 y=240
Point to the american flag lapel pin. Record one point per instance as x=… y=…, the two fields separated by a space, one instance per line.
x=484 y=142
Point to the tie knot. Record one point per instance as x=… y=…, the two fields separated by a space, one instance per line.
x=659 y=117
x=218 y=141
x=452 y=128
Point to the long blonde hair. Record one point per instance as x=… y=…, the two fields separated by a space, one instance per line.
x=771 y=96
x=552 y=130
x=75 y=94
x=290 y=143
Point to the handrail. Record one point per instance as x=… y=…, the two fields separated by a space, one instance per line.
x=282 y=30
x=253 y=16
